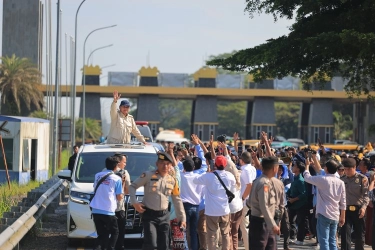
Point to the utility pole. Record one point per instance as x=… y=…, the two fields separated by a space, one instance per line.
x=55 y=124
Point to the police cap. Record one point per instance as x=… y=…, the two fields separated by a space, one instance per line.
x=164 y=157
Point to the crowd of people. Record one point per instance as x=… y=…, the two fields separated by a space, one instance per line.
x=224 y=196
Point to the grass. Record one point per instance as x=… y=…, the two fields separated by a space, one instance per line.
x=10 y=197
x=64 y=159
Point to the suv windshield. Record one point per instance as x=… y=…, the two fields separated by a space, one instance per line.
x=91 y=163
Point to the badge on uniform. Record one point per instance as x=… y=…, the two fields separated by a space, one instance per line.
x=357 y=180
x=352 y=208
x=143 y=175
x=265 y=188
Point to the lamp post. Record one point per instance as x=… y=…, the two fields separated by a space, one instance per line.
x=84 y=91
x=73 y=123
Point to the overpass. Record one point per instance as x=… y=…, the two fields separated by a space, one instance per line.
x=222 y=93
x=206 y=87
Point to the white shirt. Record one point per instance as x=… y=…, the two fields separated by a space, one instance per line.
x=215 y=196
x=237 y=203
x=189 y=191
x=331 y=196
x=248 y=175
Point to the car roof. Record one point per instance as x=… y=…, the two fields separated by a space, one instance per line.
x=92 y=148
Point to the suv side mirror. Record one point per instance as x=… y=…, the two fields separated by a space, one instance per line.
x=65 y=174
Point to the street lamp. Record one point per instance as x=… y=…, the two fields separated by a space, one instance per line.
x=73 y=123
x=84 y=57
x=84 y=91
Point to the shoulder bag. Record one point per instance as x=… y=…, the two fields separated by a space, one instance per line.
x=229 y=193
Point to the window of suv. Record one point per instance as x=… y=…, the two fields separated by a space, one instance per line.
x=91 y=163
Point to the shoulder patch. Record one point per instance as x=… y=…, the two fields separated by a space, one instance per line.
x=142 y=175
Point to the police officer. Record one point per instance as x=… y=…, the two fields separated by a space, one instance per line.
x=120 y=210
x=266 y=202
x=356 y=186
x=158 y=186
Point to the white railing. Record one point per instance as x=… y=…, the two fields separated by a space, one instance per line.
x=11 y=236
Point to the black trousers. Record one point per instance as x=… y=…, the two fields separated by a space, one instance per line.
x=297 y=217
x=261 y=237
x=285 y=228
x=352 y=220
x=373 y=236
x=156 y=230
x=106 y=225
x=121 y=221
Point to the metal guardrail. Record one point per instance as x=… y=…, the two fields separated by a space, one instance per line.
x=11 y=236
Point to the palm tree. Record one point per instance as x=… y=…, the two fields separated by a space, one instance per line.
x=19 y=86
x=93 y=130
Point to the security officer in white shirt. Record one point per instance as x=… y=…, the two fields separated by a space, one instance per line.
x=247 y=177
x=120 y=210
x=104 y=204
x=122 y=123
x=217 y=209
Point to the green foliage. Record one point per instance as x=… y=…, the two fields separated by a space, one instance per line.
x=175 y=113
x=231 y=117
x=93 y=129
x=19 y=86
x=371 y=129
x=287 y=117
x=330 y=37
x=39 y=114
x=343 y=125
x=10 y=197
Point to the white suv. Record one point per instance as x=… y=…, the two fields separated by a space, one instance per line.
x=91 y=160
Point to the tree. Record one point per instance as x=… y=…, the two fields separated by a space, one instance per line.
x=343 y=125
x=287 y=116
x=39 y=114
x=19 y=86
x=93 y=129
x=231 y=117
x=329 y=37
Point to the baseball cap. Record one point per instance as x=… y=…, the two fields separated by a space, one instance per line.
x=125 y=103
x=220 y=160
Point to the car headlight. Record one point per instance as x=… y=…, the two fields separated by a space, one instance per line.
x=79 y=195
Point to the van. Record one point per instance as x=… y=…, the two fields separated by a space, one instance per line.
x=91 y=160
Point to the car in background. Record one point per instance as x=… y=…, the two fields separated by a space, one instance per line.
x=145 y=131
x=343 y=142
x=297 y=143
x=91 y=160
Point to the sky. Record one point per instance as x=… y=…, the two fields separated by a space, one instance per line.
x=175 y=35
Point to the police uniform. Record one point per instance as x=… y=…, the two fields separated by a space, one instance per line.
x=157 y=190
x=121 y=127
x=356 y=198
x=266 y=198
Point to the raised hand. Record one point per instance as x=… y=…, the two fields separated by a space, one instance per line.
x=263 y=137
x=116 y=96
x=194 y=139
x=235 y=136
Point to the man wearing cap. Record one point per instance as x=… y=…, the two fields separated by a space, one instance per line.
x=122 y=123
x=356 y=186
x=158 y=186
x=217 y=209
